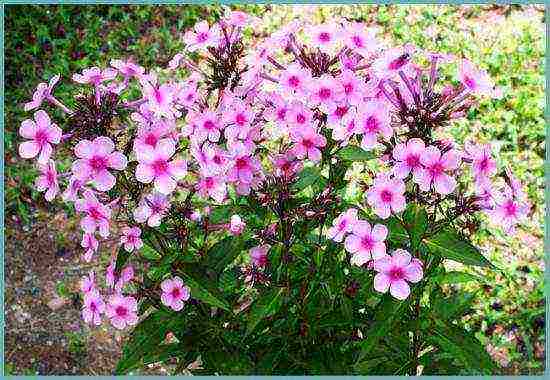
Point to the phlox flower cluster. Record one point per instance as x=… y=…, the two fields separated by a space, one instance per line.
x=294 y=99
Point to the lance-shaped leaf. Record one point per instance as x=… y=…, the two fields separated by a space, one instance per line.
x=450 y=245
x=354 y=153
x=264 y=307
x=308 y=176
x=223 y=253
x=416 y=223
x=204 y=289
x=456 y=277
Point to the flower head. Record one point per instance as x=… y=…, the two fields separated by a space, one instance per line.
x=152 y=209
x=97 y=215
x=131 y=238
x=174 y=293
x=373 y=120
x=41 y=134
x=394 y=273
x=342 y=225
x=93 y=308
x=122 y=311
x=407 y=157
x=474 y=80
x=258 y=255
x=44 y=91
x=202 y=36
x=434 y=171
x=307 y=142
x=47 y=181
x=366 y=242
x=386 y=195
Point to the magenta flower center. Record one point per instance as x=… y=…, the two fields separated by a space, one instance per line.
x=209 y=125
x=413 y=160
x=217 y=159
x=484 y=163
x=241 y=163
x=95 y=213
x=159 y=96
x=301 y=119
x=160 y=167
x=469 y=82
x=342 y=225
x=41 y=137
x=510 y=208
x=202 y=37
x=386 y=196
x=396 y=273
x=50 y=177
x=341 y=111
x=307 y=143
x=357 y=41
x=324 y=37
x=151 y=139
x=294 y=81
x=367 y=243
x=121 y=311
x=93 y=306
x=281 y=113
x=348 y=88
x=209 y=182
x=175 y=293
x=324 y=93
x=436 y=169
x=98 y=163
x=371 y=125
x=240 y=119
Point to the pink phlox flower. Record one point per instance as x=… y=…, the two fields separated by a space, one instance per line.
x=96 y=215
x=160 y=99
x=87 y=283
x=202 y=36
x=131 y=238
x=211 y=184
x=258 y=255
x=475 y=80
x=286 y=165
x=515 y=184
x=151 y=134
x=243 y=164
x=126 y=275
x=236 y=225
x=324 y=36
x=152 y=209
x=41 y=133
x=395 y=272
x=386 y=195
x=47 y=180
x=346 y=128
x=353 y=89
x=122 y=311
x=508 y=210
x=187 y=94
x=295 y=79
x=278 y=112
x=307 y=143
x=360 y=39
x=434 y=173
x=92 y=308
x=155 y=166
x=342 y=225
x=174 y=293
x=244 y=188
x=483 y=164
x=95 y=76
x=44 y=91
x=365 y=242
x=373 y=120
x=128 y=69
x=94 y=158
x=336 y=116
x=238 y=19
x=299 y=115
x=407 y=157
x=90 y=244
x=71 y=192
x=326 y=92
x=392 y=61
x=238 y=119
x=207 y=127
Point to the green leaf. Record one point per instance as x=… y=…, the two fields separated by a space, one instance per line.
x=202 y=290
x=386 y=314
x=149 y=253
x=450 y=245
x=456 y=277
x=397 y=234
x=221 y=213
x=462 y=345
x=416 y=223
x=264 y=307
x=223 y=253
x=121 y=259
x=146 y=338
x=453 y=307
x=354 y=153
x=307 y=177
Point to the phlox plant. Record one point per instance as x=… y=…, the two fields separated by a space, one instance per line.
x=279 y=204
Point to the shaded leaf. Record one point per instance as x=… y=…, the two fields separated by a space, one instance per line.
x=450 y=245
x=264 y=307
x=455 y=277
x=203 y=290
x=308 y=176
x=416 y=222
x=354 y=153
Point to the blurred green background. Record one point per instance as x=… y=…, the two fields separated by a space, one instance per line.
x=508 y=41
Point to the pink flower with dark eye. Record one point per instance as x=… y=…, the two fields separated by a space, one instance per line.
x=337 y=116
x=202 y=36
x=236 y=225
x=483 y=164
x=187 y=94
x=342 y=225
x=96 y=215
x=90 y=244
x=93 y=308
x=353 y=89
x=508 y=210
x=407 y=157
x=359 y=39
x=307 y=143
x=286 y=165
x=47 y=181
x=435 y=170
x=243 y=164
x=326 y=92
x=366 y=242
x=258 y=255
x=210 y=157
x=386 y=195
x=299 y=116
x=152 y=209
x=44 y=91
x=373 y=120
x=159 y=99
x=391 y=62
x=238 y=18
x=151 y=134
x=474 y=80
x=95 y=157
x=394 y=273
x=207 y=127
x=174 y=293
x=41 y=134
x=122 y=311
x=324 y=36
x=87 y=283
x=295 y=79
x=131 y=238
x=71 y=192
x=211 y=184
x=238 y=119
x=155 y=166
x=279 y=110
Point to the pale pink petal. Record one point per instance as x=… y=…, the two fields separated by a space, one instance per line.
x=413 y=272
x=42 y=119
x=117 y=161
x=178 y=168
x=45 y=154
x=352 y=243
x=144 y=173
x=379 y=232
x=378 y=250
x=104 y=181
x=29 y=149
x=381 y=282
x=165 y=184
x=400 y=289
x=103 y=145
x=444 y=184
x=362 y=228
x=81 y=169
x=401 y=257
x=28 y=129
x=360 y=258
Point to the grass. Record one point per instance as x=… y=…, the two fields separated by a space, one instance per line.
x=507 y=41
